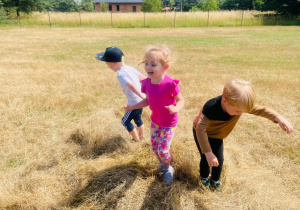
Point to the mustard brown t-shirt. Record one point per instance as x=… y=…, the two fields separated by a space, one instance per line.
x=217 y=124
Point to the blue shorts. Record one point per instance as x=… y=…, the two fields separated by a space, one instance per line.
x=132 y=115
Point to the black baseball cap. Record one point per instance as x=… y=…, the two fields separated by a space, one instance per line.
x=111 y=54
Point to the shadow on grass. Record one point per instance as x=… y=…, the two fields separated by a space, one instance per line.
x=107 y=188
x=92 y=148
x=161 y=196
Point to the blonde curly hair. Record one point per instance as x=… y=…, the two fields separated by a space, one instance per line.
x=162 y=52
x=240 y=93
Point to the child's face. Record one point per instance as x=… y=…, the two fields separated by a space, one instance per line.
x=232 y=109
x=154 y=69
x=111 y=65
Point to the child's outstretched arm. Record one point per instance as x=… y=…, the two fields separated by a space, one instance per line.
x=142 y=77
x=139 y=105
x=272 y=115
x=179 y=104
x=284 y=124
x=134 y=89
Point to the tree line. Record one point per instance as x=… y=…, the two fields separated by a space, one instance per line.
x=285 y=7
x=282 y=7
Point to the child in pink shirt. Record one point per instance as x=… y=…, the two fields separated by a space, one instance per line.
x=160 y=96
x=165 y=101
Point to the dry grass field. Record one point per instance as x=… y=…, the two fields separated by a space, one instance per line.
x=63 y=145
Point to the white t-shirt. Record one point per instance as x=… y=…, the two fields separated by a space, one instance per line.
x=128 y=74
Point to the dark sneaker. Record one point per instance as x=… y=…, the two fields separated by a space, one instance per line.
x=205 y=184
x=168 y=175
x=216 y=186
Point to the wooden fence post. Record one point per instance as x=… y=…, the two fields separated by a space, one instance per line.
x=175 y=18
x=111 y=21
x=207 y=17
x=80 y=19
x=49 y=19
x=242 y=18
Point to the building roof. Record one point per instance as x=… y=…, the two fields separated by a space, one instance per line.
x=120 y=1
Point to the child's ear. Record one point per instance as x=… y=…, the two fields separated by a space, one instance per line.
x=166 y=67
x=224 y=100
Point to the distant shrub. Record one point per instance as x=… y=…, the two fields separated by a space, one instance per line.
x=4 y=19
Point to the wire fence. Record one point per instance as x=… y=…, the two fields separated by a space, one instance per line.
x=167 y=19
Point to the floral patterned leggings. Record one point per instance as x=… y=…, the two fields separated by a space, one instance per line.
x=161 y=138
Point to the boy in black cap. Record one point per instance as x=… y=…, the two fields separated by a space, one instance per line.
x=129 y=79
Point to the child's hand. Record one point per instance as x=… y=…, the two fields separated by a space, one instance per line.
x=127 y=108
x=284 y=124
x=172 y=109
x=211 y=159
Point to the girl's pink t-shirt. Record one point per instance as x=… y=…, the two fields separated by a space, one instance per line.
x=159 y=96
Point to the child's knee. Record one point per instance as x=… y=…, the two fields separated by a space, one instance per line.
x=128 y=126
x=165 y=156
x=139 y=122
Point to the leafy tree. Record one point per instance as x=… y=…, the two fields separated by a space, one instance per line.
x=3 y=15
x=62 y=5
x=186 y=4
x=229 y=5
x=210 y=5
x=189 y=4
x=286 y=7
x=258 y=4
x=172 y=3
x=152 y=6
x=87 y=5
x=238 y=4
x=47 y=5
x=25 y=6
x=179 y=4
x=41 y=6
x=197 y=7
x=245 y=4
x=186 y=7
x=90 y=7
x=68 y=6
x=103 y=7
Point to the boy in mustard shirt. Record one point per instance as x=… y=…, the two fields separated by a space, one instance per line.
x=216 y=120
